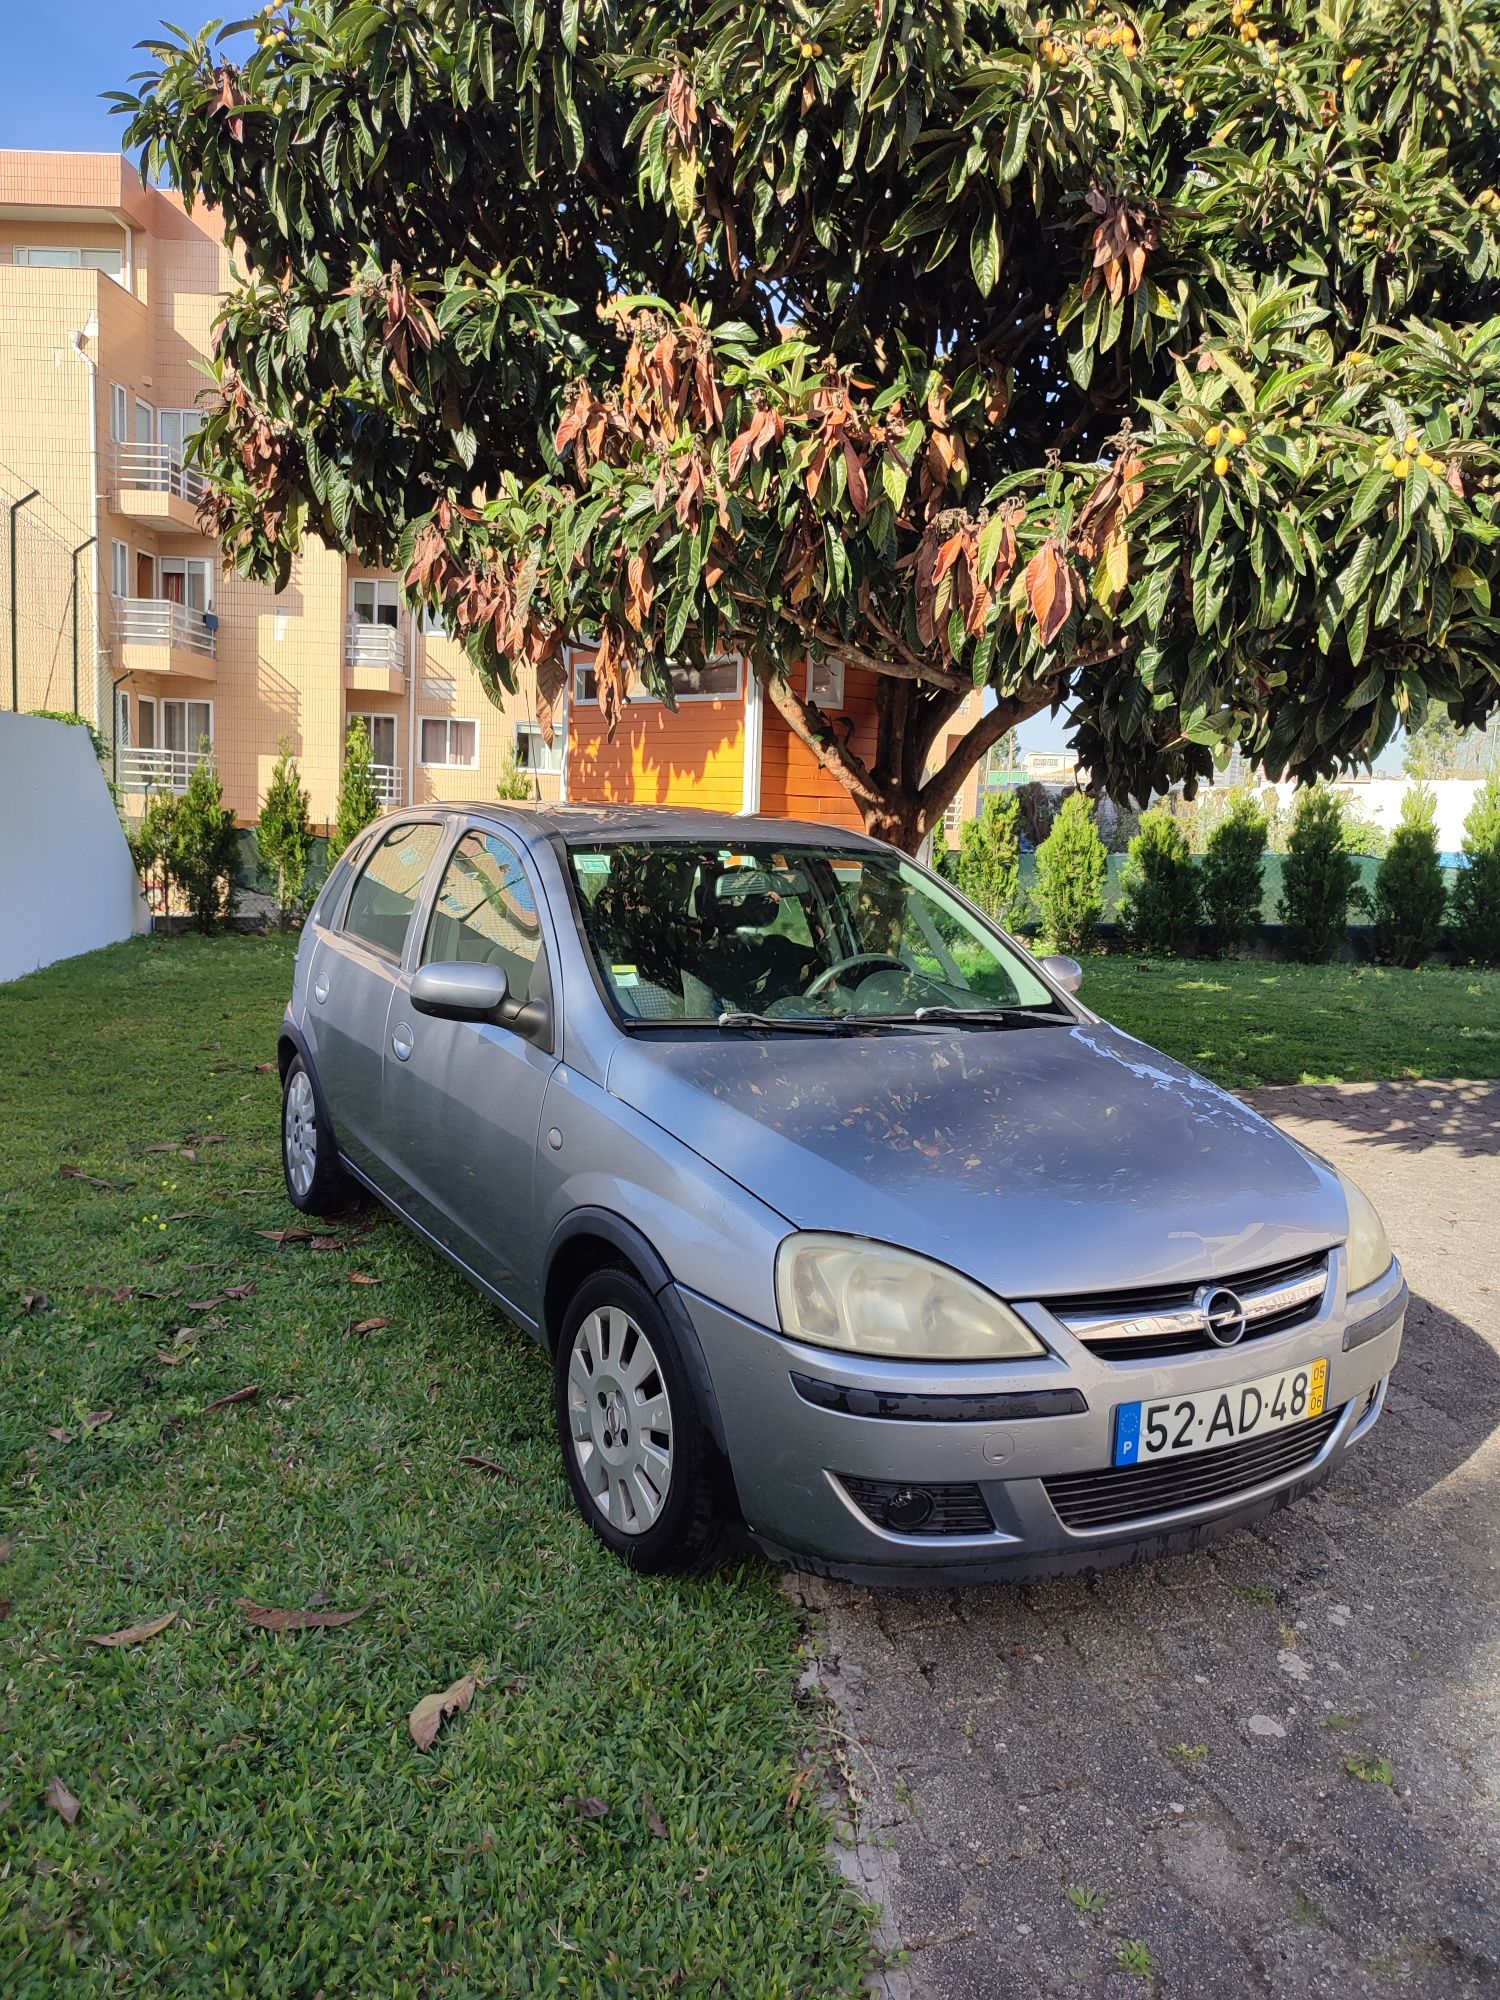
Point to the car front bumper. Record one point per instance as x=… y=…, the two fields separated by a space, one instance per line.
x=813 y=1447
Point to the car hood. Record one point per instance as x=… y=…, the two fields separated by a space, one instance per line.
x=1043 y=1161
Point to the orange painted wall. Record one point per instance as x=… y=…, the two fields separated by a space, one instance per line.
x=793 y=783
x=693 y=756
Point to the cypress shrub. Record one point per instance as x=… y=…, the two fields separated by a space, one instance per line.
x=1229 y=876
x=1159 y=910
x=1318 y=877
x=359 y=802
x=1409 y=893
x=201 y=845
x=285 y=836
x=989 y=858
x=1071 y=866
x=1476 y=891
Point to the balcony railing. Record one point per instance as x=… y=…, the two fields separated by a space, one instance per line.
x=373 y=645
x=387 y=783
x=162 y=621
x=157 y=468
x=156 y=770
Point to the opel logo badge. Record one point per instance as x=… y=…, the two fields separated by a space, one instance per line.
x=1222 y=1314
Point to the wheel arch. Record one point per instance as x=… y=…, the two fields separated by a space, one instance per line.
x=593 y=1239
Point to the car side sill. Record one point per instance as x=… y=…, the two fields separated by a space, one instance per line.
x=523 y=1320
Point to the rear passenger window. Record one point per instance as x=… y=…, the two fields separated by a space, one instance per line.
x=486 y=914
x=386 y=893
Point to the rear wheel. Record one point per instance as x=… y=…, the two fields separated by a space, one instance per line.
x=643 y=1468
x=315 y=1182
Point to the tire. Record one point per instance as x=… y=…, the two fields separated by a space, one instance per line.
x=654 y=1494
x=315 y=1182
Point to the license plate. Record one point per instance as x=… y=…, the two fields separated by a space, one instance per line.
x=1172 y=1426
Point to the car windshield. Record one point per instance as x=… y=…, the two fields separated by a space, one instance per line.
x=692 y=933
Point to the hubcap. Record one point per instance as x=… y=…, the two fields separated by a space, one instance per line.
x=300 y=1124
x=619 y=1420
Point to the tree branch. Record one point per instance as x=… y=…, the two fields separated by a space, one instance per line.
x=820 y=739
x=943 y=786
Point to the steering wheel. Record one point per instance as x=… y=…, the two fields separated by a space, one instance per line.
x=830 y=974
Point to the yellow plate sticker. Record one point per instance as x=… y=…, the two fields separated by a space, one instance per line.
x=1318 y=1392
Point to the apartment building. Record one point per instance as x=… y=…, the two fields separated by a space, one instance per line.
x=124 y=611
x=108 y=291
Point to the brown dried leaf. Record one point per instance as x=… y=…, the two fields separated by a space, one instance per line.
x=431 y=1711
x=61 y=1436
x=132 y=1635
x=271 y=1618
x=592 y=1808
x=294 y=1234
x=35 y=1301
x=1050 y=589
x=7 y=1549
x=61 y=1801
x=265 y=1069
x=330 y=1243
x=364 y=1278
x=367 y=1325
x=246 y=1395
x=165 y=1146
x=77 y=1174
x=487 y=1465
x=240 y=1291
x=97 y=1419
x=654 y=1819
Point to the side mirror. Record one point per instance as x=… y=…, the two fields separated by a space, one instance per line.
x=1064 y=972
x=460 y=992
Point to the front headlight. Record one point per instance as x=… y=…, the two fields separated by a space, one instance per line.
x=840 y=1291
x=1368 y=1251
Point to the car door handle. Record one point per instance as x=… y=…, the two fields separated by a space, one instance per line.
x=401 y=1042
x=320 y=988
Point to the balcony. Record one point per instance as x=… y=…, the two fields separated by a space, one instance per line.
x=160 y=636
x=373 y=658
x=153 y=485
x=155 y=770
x=388 y=788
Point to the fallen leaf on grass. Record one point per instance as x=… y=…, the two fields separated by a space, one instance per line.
x=5 y=1606
x=6 y=1549
x=60 y=1435
x=654 y=1819
x=366 y=1325
x=97 y=1419
x=427 y=1717
x=245 y=1395
x=165 y=1146
x=487 y=1465
x=208 y=1139
x=240 y=1291
x=219 y=1298
x=798 y=1786
x=364 y=1278
x=132 y=1635
x=61 y=1801
x=35 y=1302
x=77 y=1174
x=265 y=1069
x=330 y=1243
x=271 y=1618
x=169 y=1360
x=293 y=1234
x=591 y=1808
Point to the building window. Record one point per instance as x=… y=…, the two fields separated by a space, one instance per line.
x=381 y=730
x=450 y=742
x=825 y=683
x=435 y=624
x=534 y=752
x=119 y=568
x=717 y=680
x=70 y=257
x=187 y=725
x=146 y=709
x=374 y=600
x=145 y=422
x=119 y=413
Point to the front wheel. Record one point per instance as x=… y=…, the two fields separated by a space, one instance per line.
x=644 y=1470
x=315 y=1182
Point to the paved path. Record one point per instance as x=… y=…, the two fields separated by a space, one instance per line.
x=1170 y=1744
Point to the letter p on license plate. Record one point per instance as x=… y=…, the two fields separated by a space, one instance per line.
x=1171 y=1426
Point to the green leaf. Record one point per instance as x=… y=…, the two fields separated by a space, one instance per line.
x=985 y=253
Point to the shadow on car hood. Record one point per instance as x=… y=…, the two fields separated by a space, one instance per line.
x=1043 y=1160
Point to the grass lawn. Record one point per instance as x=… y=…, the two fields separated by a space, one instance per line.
x=1253 y=1021
x=620 y=1812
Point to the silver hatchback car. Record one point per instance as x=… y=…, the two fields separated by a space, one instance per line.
x=841 y=1217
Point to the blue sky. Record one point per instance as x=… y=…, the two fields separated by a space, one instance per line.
x=51 y=78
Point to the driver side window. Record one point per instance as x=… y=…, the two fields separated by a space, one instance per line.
x=486 y=913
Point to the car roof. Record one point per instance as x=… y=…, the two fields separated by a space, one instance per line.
x=580 y=825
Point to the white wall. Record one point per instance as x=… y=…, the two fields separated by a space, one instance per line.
x=67 y=882
x=1379 y=799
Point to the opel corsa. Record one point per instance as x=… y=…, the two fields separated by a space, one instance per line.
x=840 y=1216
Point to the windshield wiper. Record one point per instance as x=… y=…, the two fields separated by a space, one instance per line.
x=989 y=1017
x=797 y=1024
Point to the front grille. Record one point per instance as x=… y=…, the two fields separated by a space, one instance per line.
x=1164 y=1320
x=1114 y=1496
x=956 y=1510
